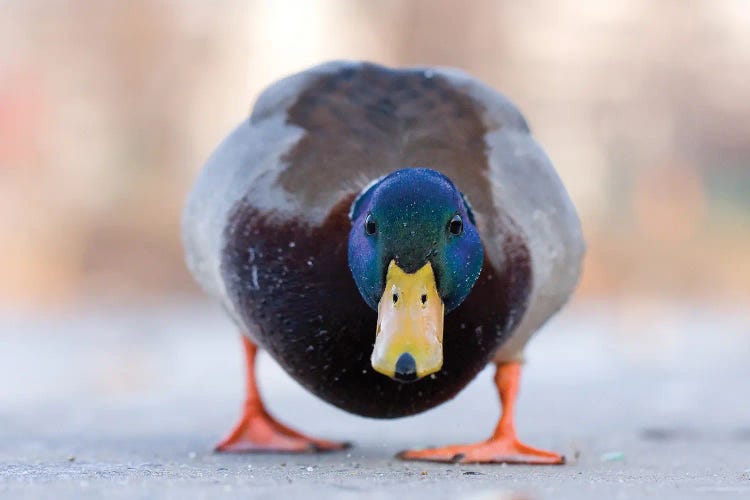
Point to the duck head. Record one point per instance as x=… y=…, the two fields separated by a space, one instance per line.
x=415 y=254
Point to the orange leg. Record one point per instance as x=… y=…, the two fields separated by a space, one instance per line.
x=257 y=431
x=503 y=446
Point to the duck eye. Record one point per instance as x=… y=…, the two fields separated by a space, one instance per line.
x=370 y=225
x=456 y=225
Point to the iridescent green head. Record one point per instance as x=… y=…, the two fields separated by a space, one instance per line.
x=414 y=253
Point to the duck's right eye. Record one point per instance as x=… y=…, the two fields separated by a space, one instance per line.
x=456 y=225
x=371 y=226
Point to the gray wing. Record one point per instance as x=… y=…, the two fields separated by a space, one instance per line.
x=526 y=188
x=246 y=163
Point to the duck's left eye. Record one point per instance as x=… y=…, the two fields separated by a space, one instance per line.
x=456 y=225
x=370 y=225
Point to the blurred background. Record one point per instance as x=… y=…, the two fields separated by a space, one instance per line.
x=108 y=109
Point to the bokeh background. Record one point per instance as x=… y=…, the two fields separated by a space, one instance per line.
x=114 y=367
x=108 y=109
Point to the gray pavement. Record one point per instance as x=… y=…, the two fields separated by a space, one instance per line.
x=646 y=401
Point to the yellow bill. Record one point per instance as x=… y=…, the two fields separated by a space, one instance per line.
x=409 y=338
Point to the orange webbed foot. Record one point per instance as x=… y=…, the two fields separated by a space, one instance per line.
x=259 y=432
x=503 y=446
x=492 y=451
x=262 y=433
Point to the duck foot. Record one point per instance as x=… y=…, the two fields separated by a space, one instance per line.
x=258 y=432
x=503 y=446
x=492 y=451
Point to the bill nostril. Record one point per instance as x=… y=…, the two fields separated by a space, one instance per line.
x=406 y=368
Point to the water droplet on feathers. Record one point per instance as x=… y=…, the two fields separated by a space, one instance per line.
x=254 y=278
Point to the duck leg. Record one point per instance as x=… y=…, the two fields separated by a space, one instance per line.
x=503 y=446
x=258 y=431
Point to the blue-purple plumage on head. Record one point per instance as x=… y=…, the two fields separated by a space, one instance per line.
x=412 y=210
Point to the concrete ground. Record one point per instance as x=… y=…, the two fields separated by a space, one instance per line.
x=646 y=402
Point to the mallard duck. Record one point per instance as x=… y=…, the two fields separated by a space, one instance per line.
x=383 y=234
